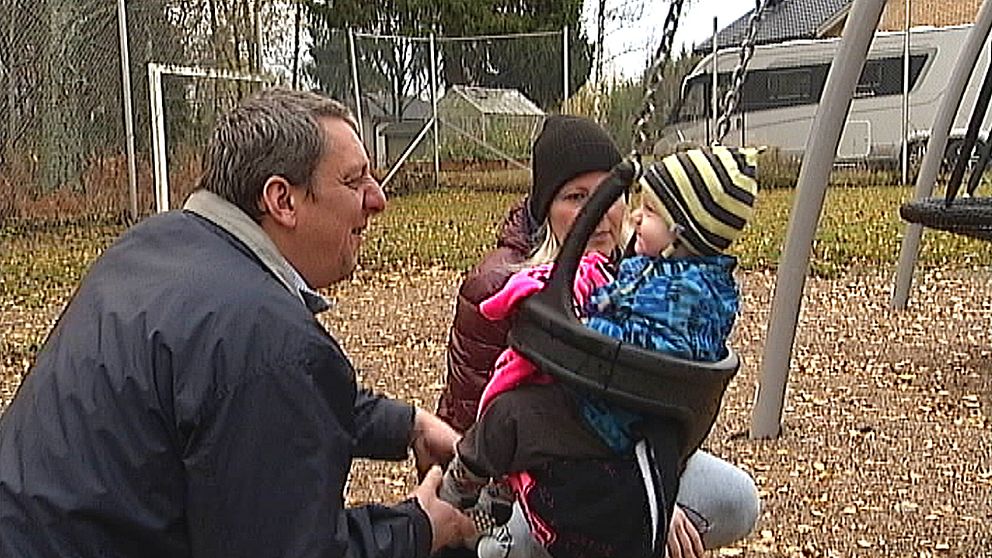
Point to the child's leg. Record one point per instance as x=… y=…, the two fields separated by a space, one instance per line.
x=460 y=487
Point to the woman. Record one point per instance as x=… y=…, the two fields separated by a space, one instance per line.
x=718 y=503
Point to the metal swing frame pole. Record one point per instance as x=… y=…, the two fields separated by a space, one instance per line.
x=807 y=207
x=909 y=251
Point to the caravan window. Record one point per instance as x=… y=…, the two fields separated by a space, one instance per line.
x=693 y=106
x=697 y=101
x=883 y=76
x=870 y=82
x=790 y=85
x=783 y=87
x=800 y=85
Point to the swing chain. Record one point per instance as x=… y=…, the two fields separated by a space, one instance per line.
x=733 y=95
x=657 y=70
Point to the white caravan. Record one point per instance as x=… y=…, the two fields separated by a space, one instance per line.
x=784 y=83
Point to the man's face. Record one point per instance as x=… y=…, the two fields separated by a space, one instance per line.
x=331 y=221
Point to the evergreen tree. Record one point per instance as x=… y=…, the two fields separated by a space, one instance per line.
x=399 y=69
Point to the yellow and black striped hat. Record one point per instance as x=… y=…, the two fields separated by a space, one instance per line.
x=709 y=192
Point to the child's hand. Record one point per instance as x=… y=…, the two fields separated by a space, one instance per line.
x=683 y=539
x=521 y=285
x=590 y=275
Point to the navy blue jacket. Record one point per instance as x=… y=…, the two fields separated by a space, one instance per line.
x=187 y=404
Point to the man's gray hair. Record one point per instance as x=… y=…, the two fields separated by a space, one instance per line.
x=275 y=132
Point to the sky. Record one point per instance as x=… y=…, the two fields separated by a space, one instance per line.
x=631 y=40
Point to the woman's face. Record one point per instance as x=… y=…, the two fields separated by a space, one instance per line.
x=570 y=199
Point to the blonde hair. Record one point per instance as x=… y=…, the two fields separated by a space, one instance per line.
x=546 y=251
x=549 y=247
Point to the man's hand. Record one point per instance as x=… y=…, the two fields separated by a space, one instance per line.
x=433 y=441
x=449 y=527
x=683 y=539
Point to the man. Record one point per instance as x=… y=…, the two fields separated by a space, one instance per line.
x=188 y=402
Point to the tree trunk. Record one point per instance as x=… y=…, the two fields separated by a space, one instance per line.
x=235 y=23
x=256 y=38
x=61 y=139
x=215 y=32
x=8 y=81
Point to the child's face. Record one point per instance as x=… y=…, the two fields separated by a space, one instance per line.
x=653 y=233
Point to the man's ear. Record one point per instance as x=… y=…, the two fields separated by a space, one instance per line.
x=279 y=201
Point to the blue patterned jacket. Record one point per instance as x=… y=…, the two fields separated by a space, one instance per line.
x=685 y=307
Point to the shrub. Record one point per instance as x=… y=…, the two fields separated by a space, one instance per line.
x=777 y=170
x=9 y=201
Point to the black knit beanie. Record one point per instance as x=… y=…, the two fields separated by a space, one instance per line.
x=566 y=147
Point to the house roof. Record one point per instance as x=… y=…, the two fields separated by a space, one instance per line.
x=413 y=108
x=496 y=101
x=783 y=20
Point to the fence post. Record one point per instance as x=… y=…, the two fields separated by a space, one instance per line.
x=132 y=172
x=354 y=78
x=564 y=65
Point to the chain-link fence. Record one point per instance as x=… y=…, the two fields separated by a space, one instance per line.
x=61 y=95
x=491 y=94
x=63 y=132
x=61 y=99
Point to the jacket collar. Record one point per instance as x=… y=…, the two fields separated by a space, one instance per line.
x=236 y=222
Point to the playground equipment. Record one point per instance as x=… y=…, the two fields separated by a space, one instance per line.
x=965 y=215
x=808 y=204
x=968 y=215
x=548 y=333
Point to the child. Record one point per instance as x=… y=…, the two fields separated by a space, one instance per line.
x=584 y=484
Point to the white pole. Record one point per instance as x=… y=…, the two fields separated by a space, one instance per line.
x=157 y=115
x=132 y=172
x=354 y=78
x=437 y=136
x=406 y=152
x=158 y=138
x=564 y=65
x=716 y=85
x=905 y=98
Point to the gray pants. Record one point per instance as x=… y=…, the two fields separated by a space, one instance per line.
x=723 y=496
x=512 y=540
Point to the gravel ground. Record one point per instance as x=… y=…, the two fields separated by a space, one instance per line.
x=887 y=442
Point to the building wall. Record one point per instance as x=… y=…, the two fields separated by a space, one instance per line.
x=938 y=13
